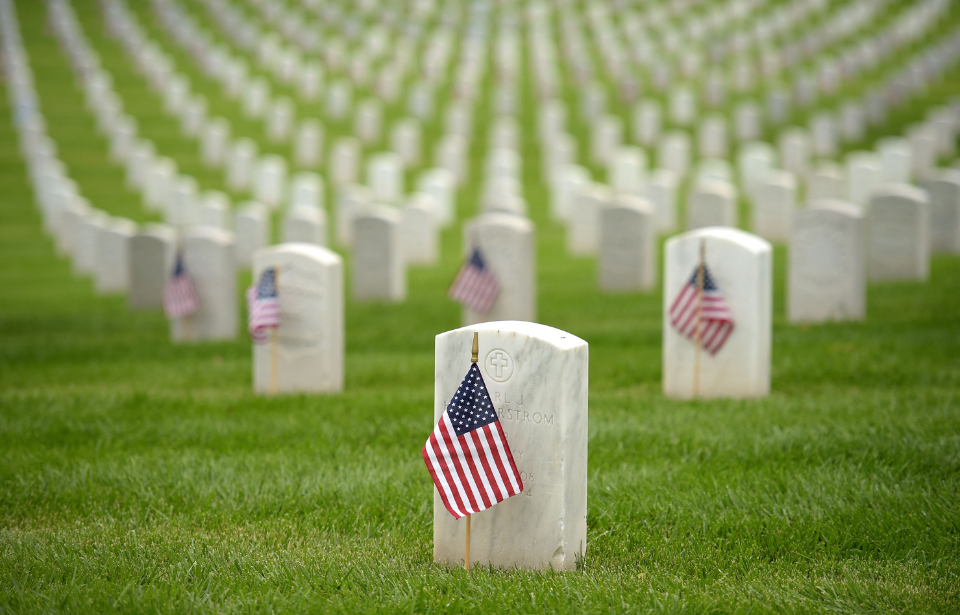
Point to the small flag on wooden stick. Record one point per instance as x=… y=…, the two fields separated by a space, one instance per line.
x=263 y=306
x=180 y=297
x=476 y=286
x=702 y=315
x=467 y=454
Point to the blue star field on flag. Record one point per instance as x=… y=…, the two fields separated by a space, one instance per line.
x=471 y=407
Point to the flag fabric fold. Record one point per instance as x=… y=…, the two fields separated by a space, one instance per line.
x=476 y=286
x=263 y=306
x=716 y=319
x=467 y=454
x=179 y=294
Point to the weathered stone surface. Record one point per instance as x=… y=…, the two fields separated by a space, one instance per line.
x=537 y=378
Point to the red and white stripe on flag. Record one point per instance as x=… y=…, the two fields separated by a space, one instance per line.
x=716 y=319
x=467 y=454
x=180 y=297
x=263 y=315
x=475 y=286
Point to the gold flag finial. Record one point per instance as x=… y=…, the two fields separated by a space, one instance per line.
x=476 y=347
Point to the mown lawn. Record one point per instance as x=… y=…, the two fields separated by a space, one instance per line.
x=139 y=476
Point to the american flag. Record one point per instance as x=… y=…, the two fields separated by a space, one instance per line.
x=475 y=286
x=716 y=318
x=179 y=294
x=263 y=306
x=467 y=453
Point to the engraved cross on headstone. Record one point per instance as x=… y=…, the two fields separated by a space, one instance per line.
x=499 y=361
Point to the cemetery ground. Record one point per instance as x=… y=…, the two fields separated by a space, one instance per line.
x=137 y=475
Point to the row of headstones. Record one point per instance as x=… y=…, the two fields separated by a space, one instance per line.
x=305 y=220
x=385 y=171
x=497 y=188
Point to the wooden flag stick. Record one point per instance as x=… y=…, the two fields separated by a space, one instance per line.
x=275 y=339
x=697 y=341
x=185 y=327
x=474 y=357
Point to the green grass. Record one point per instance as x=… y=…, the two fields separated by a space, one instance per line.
x=140 y=476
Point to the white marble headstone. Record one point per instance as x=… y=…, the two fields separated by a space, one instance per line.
x=536 y=377
x=310 y=349
x=305 y=224
x=741 y=266
x=152 y=253
x=775 y=198
x=379 y=271
x=583 y=225
x=252 y=227
x=419 y=230
x=208 y=256
x=899 y=225
x=112 y=271
x=943 y=189
x=628 y=245
x=712 y=203
x=508 y=245
x=827 y=273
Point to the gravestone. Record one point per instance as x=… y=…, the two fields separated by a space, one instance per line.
x=863 y=176
x=152 y=253
x=310 y=338
x=270 y=181
x=713 y=137
x=507 y=243
x=241 y=163
x=279 y=123
x=215 y=142
x=568 y=184
x=923 y=149
x=628 y=169
x=405 y=140
x=605 y=139
x=754 y=160
x=215 y=210
x=826 y=181
x=305 y=224
x=252 y=227
x=350 y=200
x=775 y=198
x=441 y=185
x=674 y=154
x=741 y=266
x=112 y=270
x=418 y=222
x=646 y=122
x=158 y=183
x=308 y=144
x=451 y=154
x=345 y=161
x=385 y=177
x=896 y=160
x=379 y=271
x=208 y=256
x=795 y=149
x=662 y=194
x=87 y=236
x=545 y=525
x=899 y=225
x=712 y=203
x=628 y=245
x=583 y=226
x=943 y=189
x=827 y=272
